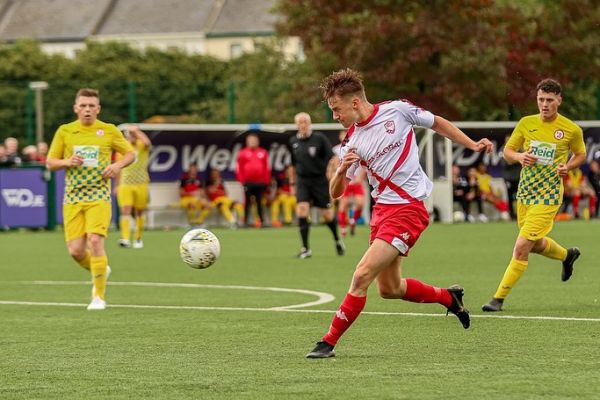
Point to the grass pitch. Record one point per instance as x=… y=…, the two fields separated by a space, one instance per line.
x=230 y=332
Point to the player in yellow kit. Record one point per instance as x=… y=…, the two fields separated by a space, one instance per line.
x=132 y=189
x=541 y=144
x=84 y=149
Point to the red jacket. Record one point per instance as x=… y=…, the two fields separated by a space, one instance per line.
x=253 y=166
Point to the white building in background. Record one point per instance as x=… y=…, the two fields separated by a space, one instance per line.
x=220 y=28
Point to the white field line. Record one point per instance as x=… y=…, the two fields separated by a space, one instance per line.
x=322 y=298
x=291 y=308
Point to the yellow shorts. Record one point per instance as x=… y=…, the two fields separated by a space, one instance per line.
x=535 y=220
x=190 y=202
x=135 y=196
x=222 y=201
x=84 y=218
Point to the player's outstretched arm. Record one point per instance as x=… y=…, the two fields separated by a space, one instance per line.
x=451 y=131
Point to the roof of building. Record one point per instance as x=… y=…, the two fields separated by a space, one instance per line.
x=157 y=16
x=60 y=20
x=245 y=17
x=51 y=19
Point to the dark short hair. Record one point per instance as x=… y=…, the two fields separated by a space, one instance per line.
x=549 y=86
x=341 y=83
x=87 y=92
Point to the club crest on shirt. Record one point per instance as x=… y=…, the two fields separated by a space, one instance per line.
x=389 y=127
x=100 y=132
x=312 y=151
x=559 y=134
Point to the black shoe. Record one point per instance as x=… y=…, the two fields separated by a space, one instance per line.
x=457 y=307
x=322 y=350
x=493 y=305
x=339 y=247
x=572 y=255
x=304 y=253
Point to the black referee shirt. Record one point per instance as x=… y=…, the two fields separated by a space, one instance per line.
x=310 y=156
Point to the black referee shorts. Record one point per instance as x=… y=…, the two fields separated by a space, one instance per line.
x=315 y=190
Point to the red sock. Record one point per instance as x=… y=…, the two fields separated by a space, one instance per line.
x=357 y=213
x=576 y=204
x=502 y=206
x=419 y=292
x=344 y=317
x=342 y=219
x=592 y=205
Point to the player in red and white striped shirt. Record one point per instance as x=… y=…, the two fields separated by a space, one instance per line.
x=381 y=139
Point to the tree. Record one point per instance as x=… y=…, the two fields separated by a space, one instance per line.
x=467 y=59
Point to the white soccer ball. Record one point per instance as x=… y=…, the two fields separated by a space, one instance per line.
x=199 y=248
x=458 y=216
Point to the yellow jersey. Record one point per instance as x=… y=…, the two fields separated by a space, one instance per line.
x=137 y=172
x=551 y=142
x=95 y=144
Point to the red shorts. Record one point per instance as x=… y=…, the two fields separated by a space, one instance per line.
x=399 y=224
x=354 y=189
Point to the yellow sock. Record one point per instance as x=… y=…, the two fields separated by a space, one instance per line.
x=85 y=261
x=239 y=210
x=191 y=214
x=511 y=277
x=554 y=250
x=226 y=211
x=125 y=224
x=275 y=209
x=203 y=214
x=99 y=267
x=139 y=227
x=288 y=209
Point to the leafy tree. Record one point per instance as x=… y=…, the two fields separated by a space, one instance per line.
x=467 y=59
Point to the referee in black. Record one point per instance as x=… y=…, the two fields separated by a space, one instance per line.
x=311 y=153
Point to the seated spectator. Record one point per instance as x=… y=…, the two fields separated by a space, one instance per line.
x=219 y=199
x=30 y=155
x=193 y=197
x=4 y=160
x=12 y=151
x=593 y=177
x=484 y=180
x=466 y=191
x=283 y=200
x=576 y=188
x=42 y=152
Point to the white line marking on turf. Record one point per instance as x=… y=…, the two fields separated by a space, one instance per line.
x=282 y=309
x=322 y=298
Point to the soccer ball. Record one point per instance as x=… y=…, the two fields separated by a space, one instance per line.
x=458 y=216
x=199 y=248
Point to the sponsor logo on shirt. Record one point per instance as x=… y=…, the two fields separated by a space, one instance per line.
x=383 y=152
x=544 y=151
x=90 y=154
x=312 y=151
x=100 y=132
